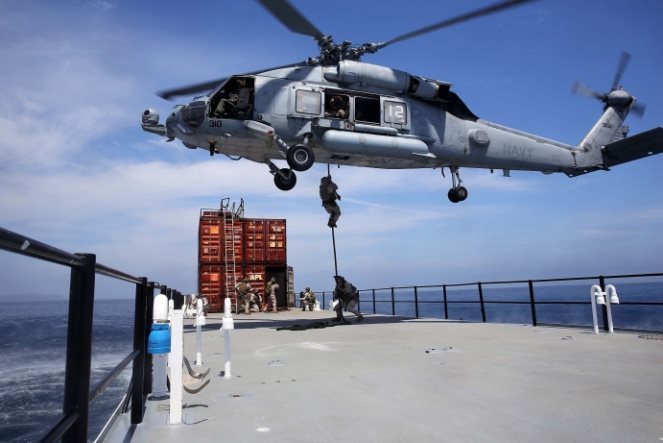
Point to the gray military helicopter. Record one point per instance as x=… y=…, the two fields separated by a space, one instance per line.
x=336 y=109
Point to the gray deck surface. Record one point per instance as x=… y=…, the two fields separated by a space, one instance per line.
x=393 y=379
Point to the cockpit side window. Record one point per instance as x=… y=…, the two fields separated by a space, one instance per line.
x=337 y=105
x=308 y=102
x=234 y=100
x=367 y=109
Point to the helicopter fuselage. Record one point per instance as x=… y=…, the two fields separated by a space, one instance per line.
x=367 y=115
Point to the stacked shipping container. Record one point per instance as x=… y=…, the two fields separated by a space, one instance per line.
x=253 y=248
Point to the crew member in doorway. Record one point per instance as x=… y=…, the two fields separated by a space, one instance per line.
x=271 y=289
x=329 y=195
x=346 y=297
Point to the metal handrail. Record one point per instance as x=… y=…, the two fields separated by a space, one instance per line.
x=390 y=299
x=73 y=424
x=101 y=386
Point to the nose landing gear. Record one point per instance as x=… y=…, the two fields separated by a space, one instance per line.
x=458 y=192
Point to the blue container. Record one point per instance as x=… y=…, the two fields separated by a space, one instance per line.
x=159 y=340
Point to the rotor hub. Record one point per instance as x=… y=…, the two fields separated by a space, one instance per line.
x=618 y=98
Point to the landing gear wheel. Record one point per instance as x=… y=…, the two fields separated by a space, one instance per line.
x=457 y=194
x=300 y=158
x=285 y=184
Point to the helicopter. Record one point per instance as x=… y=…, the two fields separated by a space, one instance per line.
x=336 y=109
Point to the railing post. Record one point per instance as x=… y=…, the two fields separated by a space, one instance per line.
x=446 y=307
x=532 y=303
x=416 y=303
x=324 y=305
x=149 y=316
x=483 y=306
x=373 y=301
x=137 y=376
x=79 y=348
x=393 y=302
x=604 y=308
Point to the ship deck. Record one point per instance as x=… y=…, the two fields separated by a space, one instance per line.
x=392 y=379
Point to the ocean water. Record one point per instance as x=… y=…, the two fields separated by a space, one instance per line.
x=34 y=336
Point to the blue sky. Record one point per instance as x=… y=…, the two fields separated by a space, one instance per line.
x=76 y=170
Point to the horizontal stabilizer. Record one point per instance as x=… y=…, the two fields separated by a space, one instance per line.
x=632 y=148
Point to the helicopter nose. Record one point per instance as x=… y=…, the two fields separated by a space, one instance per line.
x=174 y=122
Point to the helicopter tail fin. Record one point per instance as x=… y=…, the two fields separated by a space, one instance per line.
x=624 y=150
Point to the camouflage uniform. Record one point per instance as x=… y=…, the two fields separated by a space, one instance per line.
x=271 y=288
x=242 y=290
x=308 y=299
x=329 y=196
x=348 y=299
x=255 y=301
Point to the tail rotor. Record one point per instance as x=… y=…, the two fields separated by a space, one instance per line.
x=617 y=96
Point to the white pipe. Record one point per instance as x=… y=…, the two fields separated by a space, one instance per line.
x=200 y=322
x=610 y=292
x=171 y=308
x=593 y=293
x=159 y=376
x=176 y=353
x=227 y=326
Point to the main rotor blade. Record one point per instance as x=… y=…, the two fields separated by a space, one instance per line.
x=167 y=94
x=455 y=20
x=211 y=84
x=624 y=58
x=291 y=17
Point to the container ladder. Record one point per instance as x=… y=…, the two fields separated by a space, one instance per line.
x=230 y=213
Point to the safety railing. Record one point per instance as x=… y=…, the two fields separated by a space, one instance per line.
x=78 y=396
x=472 y=298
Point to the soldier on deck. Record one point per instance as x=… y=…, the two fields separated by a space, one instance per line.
x=271 y=289
x=255 y=300
x=347 y=298
x=242 y=290
x=329 y=195
x=308 y=299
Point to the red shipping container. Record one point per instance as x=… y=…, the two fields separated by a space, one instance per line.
x=255 y=248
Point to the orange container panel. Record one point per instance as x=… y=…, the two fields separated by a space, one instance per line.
x=210 y=284
x=255 y=247
x=276 y=242
x=209 y=250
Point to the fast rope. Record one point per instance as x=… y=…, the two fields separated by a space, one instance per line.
x=333 y=235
